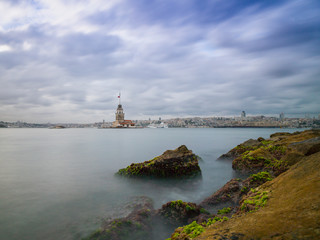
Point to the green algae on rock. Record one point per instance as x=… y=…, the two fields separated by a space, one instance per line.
x=180 y=162
x=275 y=154
x=232 y=192
x=179 y=212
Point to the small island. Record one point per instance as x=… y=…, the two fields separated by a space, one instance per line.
x=180 y=162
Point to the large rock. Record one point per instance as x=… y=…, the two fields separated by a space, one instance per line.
x=180 y=162
x=276 y=154
x=231 y=193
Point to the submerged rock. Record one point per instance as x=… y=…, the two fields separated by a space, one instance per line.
x=136 y=226
x=180 y=162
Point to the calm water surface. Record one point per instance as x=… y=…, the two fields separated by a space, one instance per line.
x=60 y=183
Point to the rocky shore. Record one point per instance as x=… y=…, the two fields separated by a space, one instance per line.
x=279 y=200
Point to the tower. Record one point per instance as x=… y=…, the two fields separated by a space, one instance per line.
x=119 y=113
x=120 y=122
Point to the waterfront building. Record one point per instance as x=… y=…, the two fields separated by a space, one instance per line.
x=120 y=122
x=281 y=116
x=243 y=114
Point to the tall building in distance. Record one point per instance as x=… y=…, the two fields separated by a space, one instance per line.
x=243 y=114
x=120 y=122
x=281 y=116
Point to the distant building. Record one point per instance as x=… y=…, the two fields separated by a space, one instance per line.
x=243 y=114
x=281 y=116
x=120 y=122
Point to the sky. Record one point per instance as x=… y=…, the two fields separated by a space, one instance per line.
x=67 y=60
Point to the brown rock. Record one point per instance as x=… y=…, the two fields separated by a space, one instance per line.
x=180 y=162
x=229 y=194
x=248 y=145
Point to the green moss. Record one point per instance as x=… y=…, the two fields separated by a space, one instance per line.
x=211 y=221
x=173 y=204
x=265 y=142
x=277 y=149
x=202 y=210
x=188 y=232
x=261 y=176
x=257 y=201
x=193 y=229
x=138 y=225
x=190 y=208
x=267 y=161
x=244 y=189
x=224 y=210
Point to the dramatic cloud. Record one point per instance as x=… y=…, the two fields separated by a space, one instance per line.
x=66 y=61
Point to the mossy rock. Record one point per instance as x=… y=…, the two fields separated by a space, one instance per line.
x=180 y=162
x=179 y=212
x=137 y=225
x=248 y=145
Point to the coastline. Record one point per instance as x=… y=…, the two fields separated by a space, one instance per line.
x=245 y=197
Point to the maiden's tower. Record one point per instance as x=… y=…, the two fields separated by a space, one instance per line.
x=120 y=122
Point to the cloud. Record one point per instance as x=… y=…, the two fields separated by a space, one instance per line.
x=66 y=61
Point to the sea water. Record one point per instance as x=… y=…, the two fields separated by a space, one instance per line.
x=60 y=183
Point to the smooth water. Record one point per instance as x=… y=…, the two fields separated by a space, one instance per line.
x=60 y=183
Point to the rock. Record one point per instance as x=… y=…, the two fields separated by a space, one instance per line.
x=179 y=213
x=277 y=154
x=288 y=207
x=307 y=147
x=228 y=195
x=180 y=162
x=253 y=161
x=280 y=134
x=137 y=225
x=260 y=139
x=231 y=193
x=248 y=145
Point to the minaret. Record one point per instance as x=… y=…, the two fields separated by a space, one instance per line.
x=119 y=113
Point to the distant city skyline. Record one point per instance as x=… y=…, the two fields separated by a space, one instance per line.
x=66 y=61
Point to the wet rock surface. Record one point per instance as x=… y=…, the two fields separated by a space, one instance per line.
x=137 y=225
x=177 y=163
x=275 y=154
x=178 y=212
x=248 y=145
x=232 y=192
